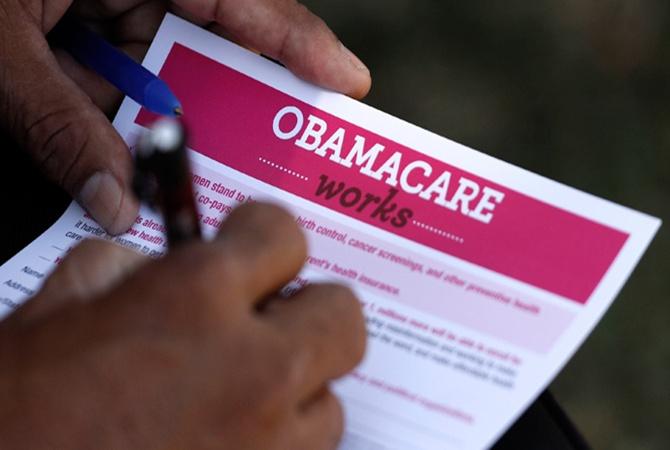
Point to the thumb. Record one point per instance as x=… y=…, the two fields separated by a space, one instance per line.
x=70 y=138
x=90 y=269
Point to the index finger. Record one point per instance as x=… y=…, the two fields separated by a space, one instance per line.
x=200 y=284
x=287 y=31
x=260 y=248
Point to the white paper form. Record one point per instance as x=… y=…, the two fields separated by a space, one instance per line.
x=478 y=279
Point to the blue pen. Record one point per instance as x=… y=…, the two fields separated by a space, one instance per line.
x=116 y=67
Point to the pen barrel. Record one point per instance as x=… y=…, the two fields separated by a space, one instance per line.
x=130 y=77
x=176 y=197
x=163 y=178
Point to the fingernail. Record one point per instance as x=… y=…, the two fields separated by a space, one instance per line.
x=101 y=196
x=353 y=59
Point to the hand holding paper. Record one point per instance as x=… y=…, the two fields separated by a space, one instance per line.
x=55 y=107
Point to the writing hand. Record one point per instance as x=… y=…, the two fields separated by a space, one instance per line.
x=120 y=352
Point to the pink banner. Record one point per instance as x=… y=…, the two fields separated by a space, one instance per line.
x=275 y=138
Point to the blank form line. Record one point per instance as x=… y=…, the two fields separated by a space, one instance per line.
x=401 y=420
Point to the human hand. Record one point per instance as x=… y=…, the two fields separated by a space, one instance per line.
x=53 y=106
x=120 y=352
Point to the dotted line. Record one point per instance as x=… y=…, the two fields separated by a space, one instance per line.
x=439 y=232
x=282 y=168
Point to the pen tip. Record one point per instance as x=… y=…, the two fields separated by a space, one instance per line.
x=178 y=111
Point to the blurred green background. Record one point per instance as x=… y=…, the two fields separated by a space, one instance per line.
x=577 y=91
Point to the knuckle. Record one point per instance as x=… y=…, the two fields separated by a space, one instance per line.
x=346 y=309
x=338 y=319
x=207 y=265
x=305 y=40
x=291 y=365
x=56 y=140
x=306 y=19
x=343 y=298
x=215 y=270
x=260 y=214
x=266 y=223
x=197 y=287
x=277 y=375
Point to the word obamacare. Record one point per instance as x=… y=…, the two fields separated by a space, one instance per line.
x=416 y=177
